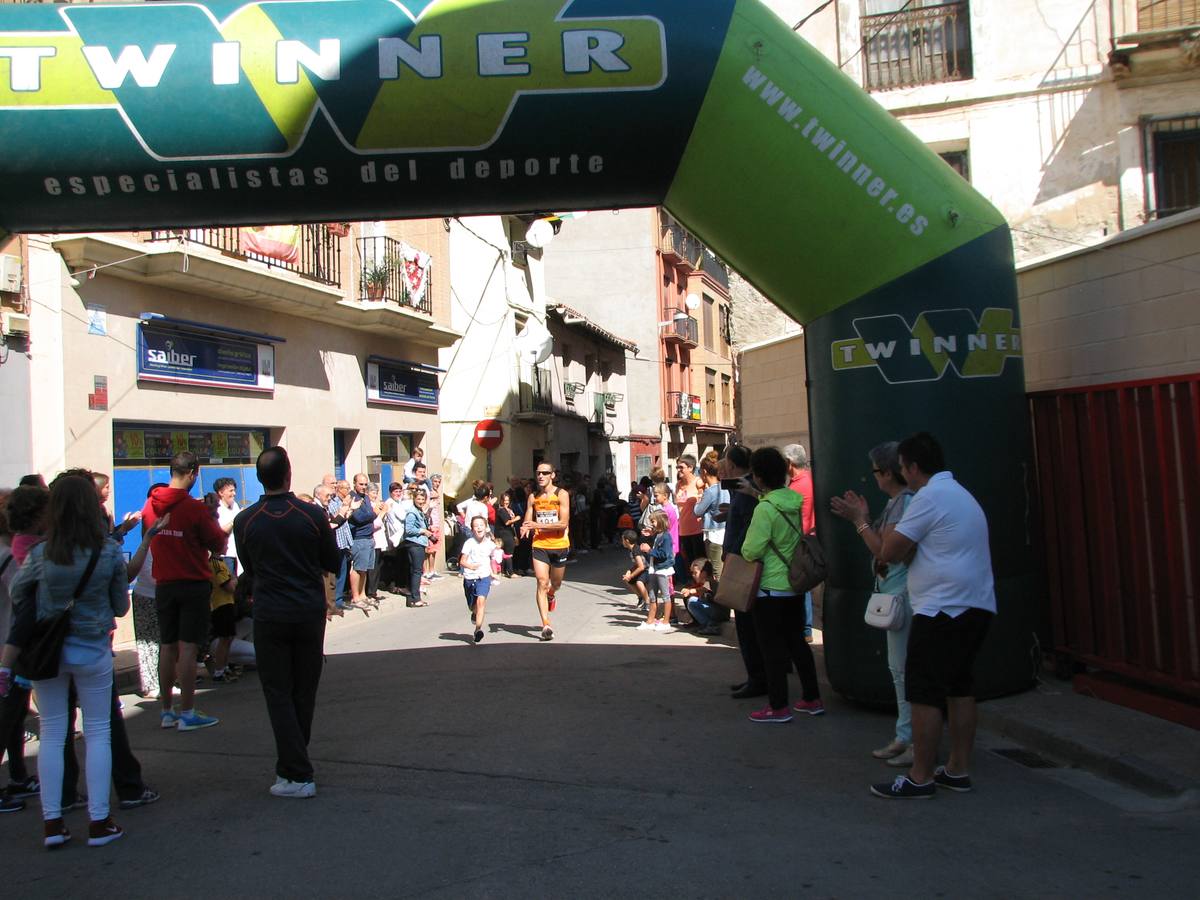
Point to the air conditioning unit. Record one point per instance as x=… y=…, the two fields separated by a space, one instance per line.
x=10 y=274
x=15 y=322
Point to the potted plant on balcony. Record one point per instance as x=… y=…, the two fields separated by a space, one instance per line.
x=338 y=229
x=376 y=277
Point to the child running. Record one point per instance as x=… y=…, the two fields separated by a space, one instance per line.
x=475 y=563
x=662 y=567
x=636 y=575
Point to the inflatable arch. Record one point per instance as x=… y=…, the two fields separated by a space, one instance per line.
x=176 y=114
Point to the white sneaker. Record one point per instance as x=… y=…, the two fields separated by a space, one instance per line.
x=662 y=628
x=298 y=789
x=646 y=626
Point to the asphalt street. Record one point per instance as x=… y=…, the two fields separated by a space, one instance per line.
x=609 y=762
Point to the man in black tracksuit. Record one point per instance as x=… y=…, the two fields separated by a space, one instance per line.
x=286 y=547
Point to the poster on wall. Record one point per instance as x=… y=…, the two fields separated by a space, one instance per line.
x=400 y=383
x=180 y=356
x=137 y=444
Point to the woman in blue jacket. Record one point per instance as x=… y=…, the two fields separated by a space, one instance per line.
x=77 y=560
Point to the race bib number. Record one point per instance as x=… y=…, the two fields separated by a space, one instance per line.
x=547 y=517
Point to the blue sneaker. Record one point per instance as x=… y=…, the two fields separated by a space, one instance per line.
x=169 y=719
x=196 y=720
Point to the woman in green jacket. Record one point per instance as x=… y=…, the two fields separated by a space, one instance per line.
x=779 y=617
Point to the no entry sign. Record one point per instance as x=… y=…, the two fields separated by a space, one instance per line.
x=489 y=433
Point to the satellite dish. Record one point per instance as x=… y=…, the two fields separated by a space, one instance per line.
x=692 y=301
x=539 y=234
x=534 y=343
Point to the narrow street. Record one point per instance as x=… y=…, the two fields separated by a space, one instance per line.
x=609 y=762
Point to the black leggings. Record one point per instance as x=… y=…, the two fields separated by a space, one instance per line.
x=416 y=567
x=13 y=710
x=779 y=622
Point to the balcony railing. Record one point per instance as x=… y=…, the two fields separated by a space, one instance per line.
x=679 y=246
x=318 y=254
x=680 y=328
x=385 y=276
x=1162 y=15
x=533 y=392
x=917 y=46
x=683 y=407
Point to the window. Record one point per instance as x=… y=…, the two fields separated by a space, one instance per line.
x=642 y=466
x=395 y=447
x=1172 y=148
x=726 y=320
x=726 y=400
x=710 y=396
x=911 y=42
x=708 y=323
x=958 y=161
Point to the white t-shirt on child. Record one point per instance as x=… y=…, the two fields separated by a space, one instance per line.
x=479 y=557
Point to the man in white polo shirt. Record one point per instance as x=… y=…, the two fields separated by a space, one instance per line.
x=952 y=589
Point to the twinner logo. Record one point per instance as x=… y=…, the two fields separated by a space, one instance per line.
x=939 y=341
x=190 y=86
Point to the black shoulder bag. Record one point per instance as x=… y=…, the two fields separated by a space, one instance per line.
x=40 y=657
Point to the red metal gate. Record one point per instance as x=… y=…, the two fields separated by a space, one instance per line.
x=1119 y=479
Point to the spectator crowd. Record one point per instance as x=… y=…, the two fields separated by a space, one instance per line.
x=215 y=589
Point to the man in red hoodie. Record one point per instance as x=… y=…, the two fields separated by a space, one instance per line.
x=183 y=578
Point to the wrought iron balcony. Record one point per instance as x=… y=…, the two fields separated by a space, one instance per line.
x=317 y=252
x=386 y=276
x=917 y=46
x=679 y=246
x=680 y=328
x=534 y=399
x=683 y=407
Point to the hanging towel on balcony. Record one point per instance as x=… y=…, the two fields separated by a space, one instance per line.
x=281 y=242
x=416 y=272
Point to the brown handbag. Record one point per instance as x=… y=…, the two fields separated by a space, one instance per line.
x=738 y=587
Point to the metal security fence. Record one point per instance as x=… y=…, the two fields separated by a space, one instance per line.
x=1119 y=481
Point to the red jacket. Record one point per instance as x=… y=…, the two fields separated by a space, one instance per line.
x=802 y=484
x=181 y=550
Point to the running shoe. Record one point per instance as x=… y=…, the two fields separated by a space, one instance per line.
x=904 y=789
x=812 y=707
x=105 y=832
x=22 y=790
x=298 y=790
x=169 y=719
x=145 y=798
x=55 y=834
x=547 y=633
x=943 y=779
x=662 y=628
x=195 y=720
x=478 y=635
x=11 y=804
x=772 y=716
x=646 y=626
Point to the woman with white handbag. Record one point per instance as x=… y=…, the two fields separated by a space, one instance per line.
x=888 y=607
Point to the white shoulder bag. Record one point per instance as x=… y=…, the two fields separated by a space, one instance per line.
x=885 y=611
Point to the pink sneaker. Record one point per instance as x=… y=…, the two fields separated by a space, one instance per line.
x=812 y=707
x=767 y=714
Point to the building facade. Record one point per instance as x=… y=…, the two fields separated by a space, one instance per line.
x=1075 y=118
x=570 y=408
x=145 y=344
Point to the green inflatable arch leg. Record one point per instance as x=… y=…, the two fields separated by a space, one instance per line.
x=227 y=113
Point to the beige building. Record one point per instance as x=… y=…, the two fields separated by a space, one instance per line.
x=772 y=412
x=1124 y=310
x=145 y=344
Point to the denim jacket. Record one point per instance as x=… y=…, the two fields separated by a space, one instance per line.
x=51 y=586
x=414 y=523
